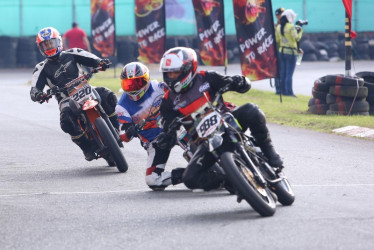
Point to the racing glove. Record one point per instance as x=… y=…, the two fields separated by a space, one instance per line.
x=129 y=134
x=132 y=132
x=41 y=97
x=104 y=64
x=240 y=84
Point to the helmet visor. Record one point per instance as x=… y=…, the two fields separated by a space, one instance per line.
x=49 y=47
x=49 y=44
x=134 y=87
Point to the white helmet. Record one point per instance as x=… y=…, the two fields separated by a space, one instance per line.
x=179 y=59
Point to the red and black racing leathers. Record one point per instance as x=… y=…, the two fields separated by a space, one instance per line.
x=198 y=174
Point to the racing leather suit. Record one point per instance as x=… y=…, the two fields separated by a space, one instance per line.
x=147 y=109
x=198 y=174
x=60 y=70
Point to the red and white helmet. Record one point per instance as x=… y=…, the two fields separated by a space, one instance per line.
x=49 y=42
x=135 y=80
x=179 y=59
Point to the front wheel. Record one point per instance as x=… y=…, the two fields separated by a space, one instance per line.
x=284 y=191
x=244 y=181
x=110 y=142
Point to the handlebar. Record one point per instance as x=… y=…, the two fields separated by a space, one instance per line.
x=54 y=90
x=220 y=92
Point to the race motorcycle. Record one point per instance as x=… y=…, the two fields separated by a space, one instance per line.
x=85 y=102
x=245 y=166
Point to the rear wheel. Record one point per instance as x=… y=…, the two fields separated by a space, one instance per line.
x=260 y=198
x=110 y=142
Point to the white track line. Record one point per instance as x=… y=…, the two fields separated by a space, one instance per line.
x=148 y=190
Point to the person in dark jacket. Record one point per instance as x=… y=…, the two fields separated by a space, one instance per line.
x=59 y=68
x=186 y=95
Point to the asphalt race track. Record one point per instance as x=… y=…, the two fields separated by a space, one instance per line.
x=51 y=198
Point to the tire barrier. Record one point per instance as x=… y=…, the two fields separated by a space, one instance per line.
x=330 y=112
x=318 y=109
x=344 y=80
x=319 y=94
x=26 y=53
x=355 y=107
x=368 y=77
x=340 y=95
x=316 y=46
x=330 y=99
x=349 y=91
x=321 y=85
x=316 y=101
x=8 y=47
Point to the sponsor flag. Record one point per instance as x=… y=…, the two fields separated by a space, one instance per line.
x=150 y=29
x=211 y=31
x=102 y=27
x=256 y=38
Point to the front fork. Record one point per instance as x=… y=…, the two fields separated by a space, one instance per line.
x=232 y=139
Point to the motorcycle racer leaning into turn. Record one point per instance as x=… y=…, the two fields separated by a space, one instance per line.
x=186 y=95
x=59 y=68
x=138 y=111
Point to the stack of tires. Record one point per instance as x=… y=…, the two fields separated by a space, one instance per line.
x=8 y=47
x=26 y=53
x=369 y=84
x=339 y=95
x=317 y=104
x=347 y=95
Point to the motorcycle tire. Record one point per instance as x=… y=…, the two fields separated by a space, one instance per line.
x=284 y=192
x=242 y=179
x=110 y=142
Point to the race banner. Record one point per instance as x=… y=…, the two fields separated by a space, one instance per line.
x=256 y=38
x=150 y=29
x=102 y=27
x=211 y=31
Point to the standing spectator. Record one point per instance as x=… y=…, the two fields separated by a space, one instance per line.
x=288 y=36
x=76 y=38
x=278 y=13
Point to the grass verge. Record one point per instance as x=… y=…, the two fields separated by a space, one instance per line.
x=291 y=112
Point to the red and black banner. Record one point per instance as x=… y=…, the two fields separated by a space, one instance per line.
x=256 y=38
x=211 y=31
x=150 y=29
x=102 y=27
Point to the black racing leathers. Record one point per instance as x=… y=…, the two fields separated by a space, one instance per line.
x=62 y=69
x=198 y=174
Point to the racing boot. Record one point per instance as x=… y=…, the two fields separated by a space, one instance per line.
x=176 y=175
x=273 y=157
x=255 y=119
x=85 y=145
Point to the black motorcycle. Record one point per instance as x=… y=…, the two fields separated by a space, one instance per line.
x=245 y=166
